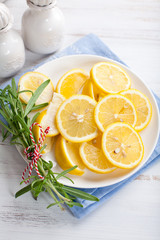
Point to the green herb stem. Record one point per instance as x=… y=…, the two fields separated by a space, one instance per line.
x=55 y=199
x=49 y=183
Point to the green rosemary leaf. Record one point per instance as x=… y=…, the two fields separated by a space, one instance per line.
x=5 y=117
x=12 y=94
x=37 y=107
x=69 y=179
x=55 y=173
x=33 y=195
x=24 y=190
x=14 y=88
x=37 y=187
x=71 y=204
x=24 y=91
x=28 y=179
x=6 y=127
x=20 y=107
x=7 y=100
x=35 y=117
x=53 y=204
x=79 y=193
x=43 y=147
x=8 y=111
x=16 y=143
x=5 y=89
x=15 y=137
x=65 y=172
x=47 y=165
x=22 y=122
x=12 y=100
x=18 y=134
x=5 y=136
x=28 y=121
x=35 y=96
x=66 y=195
x=36 y=183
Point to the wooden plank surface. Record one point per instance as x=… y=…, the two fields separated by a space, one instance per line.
x=132 y=30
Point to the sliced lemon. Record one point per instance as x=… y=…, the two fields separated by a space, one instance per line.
x=91 y=90
x=114 y=108
x=109 y=77
x=94 y=158
x=31 y=81
x=88 y=89
x=47 y=118
x=75 y=119
x=122 y=145
x=71 y=82
x=67 y=156
x=142 y=105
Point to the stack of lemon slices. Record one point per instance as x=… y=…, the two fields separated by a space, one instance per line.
x=96 y=116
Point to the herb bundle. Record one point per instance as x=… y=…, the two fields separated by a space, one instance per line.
x=17 y=124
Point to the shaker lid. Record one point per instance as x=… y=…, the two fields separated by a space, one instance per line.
x=41 y=3
x=6 y=18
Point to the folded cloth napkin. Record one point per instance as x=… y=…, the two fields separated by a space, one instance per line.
x=91 y=44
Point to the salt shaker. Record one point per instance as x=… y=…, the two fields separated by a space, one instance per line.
x=12 y=52
x=43 y=26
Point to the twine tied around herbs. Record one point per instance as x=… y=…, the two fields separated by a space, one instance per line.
x=35 y=154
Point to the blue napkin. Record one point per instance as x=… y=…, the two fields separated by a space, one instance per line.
x=91 y=44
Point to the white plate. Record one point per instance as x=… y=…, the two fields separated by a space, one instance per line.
x=54 y=70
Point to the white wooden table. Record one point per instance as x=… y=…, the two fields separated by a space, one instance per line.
x=132 y=30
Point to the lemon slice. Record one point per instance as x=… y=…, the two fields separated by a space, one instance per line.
x=75 y=119
x=67 y=156
x=48 y=116
x=88 y=89
x=31 y=81
x=114 y=108
x=94 y=158
x=71 y=82
x=142 y=105
x=122 y=145
x=91 y=90
x=109 y=77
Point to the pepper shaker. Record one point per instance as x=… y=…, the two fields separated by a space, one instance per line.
x=43 y=26
x=12 y=52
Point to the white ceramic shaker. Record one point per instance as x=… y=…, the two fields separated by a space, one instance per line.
x=43 y=26
x=12 y=52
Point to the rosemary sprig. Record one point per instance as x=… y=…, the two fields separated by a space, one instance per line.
x=17 y=123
